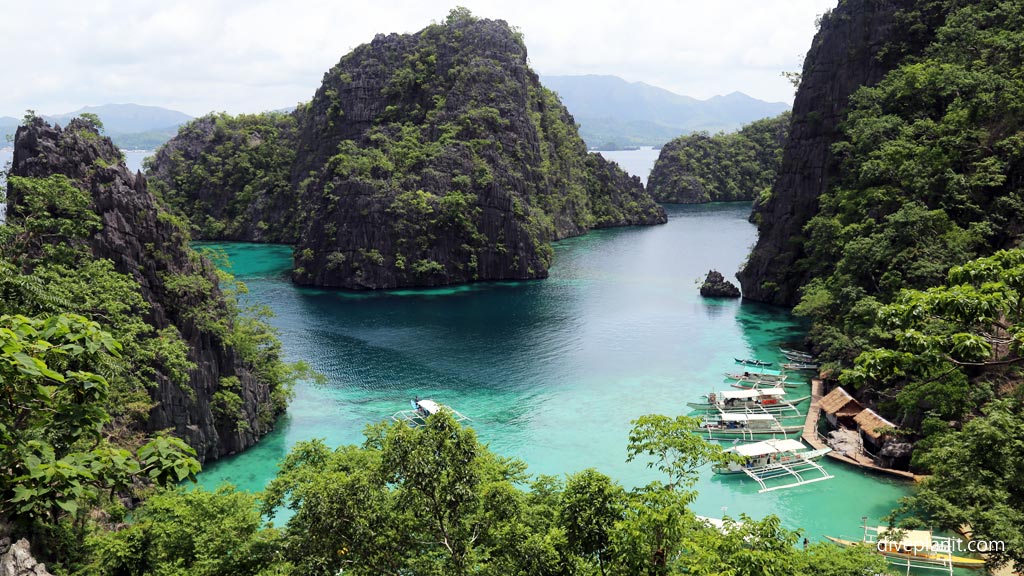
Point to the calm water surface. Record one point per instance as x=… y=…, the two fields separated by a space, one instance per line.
x=550 y=371
x=636 y=162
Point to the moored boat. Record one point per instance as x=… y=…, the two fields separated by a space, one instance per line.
x=796 y=355
x=423 y=409
x=756 y=376
x=777 y=458
x=800 y=366
x=749 y=362
x=911 y=548
x=768 y=400
x=744 y=426
x=756 y=384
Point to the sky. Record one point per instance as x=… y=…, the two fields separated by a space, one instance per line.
x=238 y=56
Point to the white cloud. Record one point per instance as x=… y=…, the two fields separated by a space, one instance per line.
x=246 y=56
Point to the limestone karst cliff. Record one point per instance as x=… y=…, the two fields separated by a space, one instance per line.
x=423 y=159
x=855 y=46
x=222 y=401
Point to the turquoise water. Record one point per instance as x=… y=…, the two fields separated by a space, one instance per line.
x=550 y=371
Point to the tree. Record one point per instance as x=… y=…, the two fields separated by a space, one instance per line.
x=51 y=415
x=672 y=448
x=657 y=516
x=975 y=480
x=936 y=339
x=193 y=532
x=591 y=505
x=93 y=120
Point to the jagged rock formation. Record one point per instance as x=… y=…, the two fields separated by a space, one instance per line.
x=426 y=159
x=716 y=286
x=846 y=54
x=144 y=242
x=699 y=167
x=16 y=559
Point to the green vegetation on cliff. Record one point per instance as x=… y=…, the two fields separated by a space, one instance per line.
x=901 y=266
x=423 y=159
x=740 y=165
x=111 y=330
x=231 y=174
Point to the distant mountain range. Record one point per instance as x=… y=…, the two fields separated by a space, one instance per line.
x=130 y=126
x=613 y=113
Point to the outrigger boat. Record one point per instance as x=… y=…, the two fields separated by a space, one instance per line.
x=744 y=426
x=756 y=376
x=796 y=355
x=766 y=400
x=912 y=548
x=800 y=366
x=758 y=384
x=748 y=362
x=777 y=458
x=423 y=409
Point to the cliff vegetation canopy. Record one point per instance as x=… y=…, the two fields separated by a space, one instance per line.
x=724 y=167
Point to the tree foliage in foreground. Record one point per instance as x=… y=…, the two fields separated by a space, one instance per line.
x=56 y=463
x=435 y=501
x=975 y=479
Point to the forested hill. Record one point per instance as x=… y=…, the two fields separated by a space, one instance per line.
x=423 y=159
x=901 y=182
x=721 y=168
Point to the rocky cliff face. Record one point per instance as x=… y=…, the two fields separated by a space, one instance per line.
x=699 y=168
x=142 y=241
x=436 y=158
x=856 y=45
x=16 y=559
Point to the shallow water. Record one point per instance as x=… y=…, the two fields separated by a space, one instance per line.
x=550 y=371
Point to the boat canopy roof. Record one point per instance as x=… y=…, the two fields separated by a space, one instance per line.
x=429 y=406
x=769 y=447
x=916 y=539
x=731 y=417
x=752 y=393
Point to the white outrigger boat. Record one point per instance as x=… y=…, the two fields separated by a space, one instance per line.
x=755 y=376
x=777 y=458
x=744 y=426
x=801 y=366
x=755 y=384
x=766 y=400
x=423 y=409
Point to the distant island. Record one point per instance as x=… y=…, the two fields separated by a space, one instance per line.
x=130 y=126
x=614 y=114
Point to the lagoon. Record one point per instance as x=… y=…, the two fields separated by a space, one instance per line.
x=551 y=371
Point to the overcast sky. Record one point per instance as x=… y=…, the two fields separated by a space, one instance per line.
x=246 y=55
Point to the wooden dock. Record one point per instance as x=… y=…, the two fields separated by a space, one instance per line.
x=815 y=440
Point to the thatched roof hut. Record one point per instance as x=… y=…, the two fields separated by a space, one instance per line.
x=839 y=403
x=873 y=426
